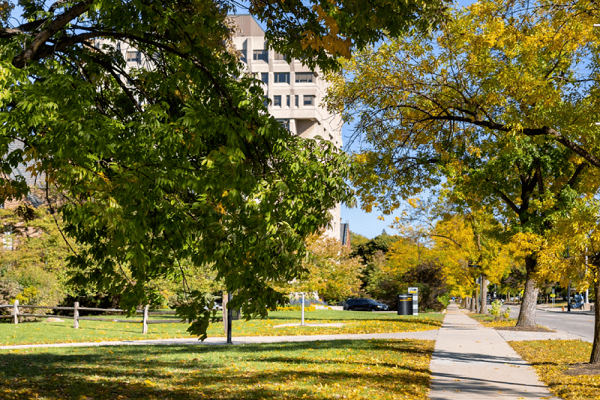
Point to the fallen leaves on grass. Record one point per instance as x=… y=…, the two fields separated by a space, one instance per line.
x=552 y=360
x=372 y=369
x=95 y=331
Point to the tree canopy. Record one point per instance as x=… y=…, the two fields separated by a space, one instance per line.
x=179 y=162
x=469 y=108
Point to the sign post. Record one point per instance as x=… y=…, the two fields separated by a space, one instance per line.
x=302 y=309
x=414 y=291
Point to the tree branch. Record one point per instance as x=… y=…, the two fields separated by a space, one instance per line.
x=40 y=39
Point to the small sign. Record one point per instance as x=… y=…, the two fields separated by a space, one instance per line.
x=413 y=290
x=552 y=295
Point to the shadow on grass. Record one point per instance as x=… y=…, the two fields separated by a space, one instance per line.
x=358 y=316
x=290 y=370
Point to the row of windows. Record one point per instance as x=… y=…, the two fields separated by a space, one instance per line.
x=307 y=100
x=284 y=77
x=263 y=55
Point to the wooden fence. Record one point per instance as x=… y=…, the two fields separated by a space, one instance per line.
x=76 y=317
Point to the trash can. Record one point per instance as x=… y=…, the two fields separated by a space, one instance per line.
x=405 y=304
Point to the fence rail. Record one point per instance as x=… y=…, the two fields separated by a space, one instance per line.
x=145 y=321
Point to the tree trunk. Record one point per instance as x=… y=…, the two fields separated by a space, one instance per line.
x=484 y=292
x=595 y=357
x=473 y=304
x=530 y=294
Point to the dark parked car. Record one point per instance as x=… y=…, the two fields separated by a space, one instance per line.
x=364 y=305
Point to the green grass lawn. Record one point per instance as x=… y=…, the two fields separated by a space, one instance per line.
x=95 y=331
x=551 y=358
x=491 y=321
x=362 y=369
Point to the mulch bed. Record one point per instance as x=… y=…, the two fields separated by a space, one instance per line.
x=583 y=369
x=536 y=328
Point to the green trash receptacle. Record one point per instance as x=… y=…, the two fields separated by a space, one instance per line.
x=405 y=304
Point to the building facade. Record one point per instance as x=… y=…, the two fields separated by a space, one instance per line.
x=294 y=92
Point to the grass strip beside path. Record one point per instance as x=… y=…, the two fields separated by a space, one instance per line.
x=97 y=331
x=357 y=369
x=490 y=321
x=552 y=358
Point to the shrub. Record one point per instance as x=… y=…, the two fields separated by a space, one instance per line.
x=444 y=299
x=495 y=310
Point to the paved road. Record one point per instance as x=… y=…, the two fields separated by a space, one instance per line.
x=577 y=322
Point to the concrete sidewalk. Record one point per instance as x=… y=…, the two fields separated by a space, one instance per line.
x=473 y=362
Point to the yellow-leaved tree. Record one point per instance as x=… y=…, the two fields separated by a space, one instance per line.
x=485 y=106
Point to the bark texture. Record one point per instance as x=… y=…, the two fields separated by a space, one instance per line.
x=484 y=292
x=527 y=311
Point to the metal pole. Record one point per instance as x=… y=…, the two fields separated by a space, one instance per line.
x=229 y=317
x=569 y=297
x=302 y=309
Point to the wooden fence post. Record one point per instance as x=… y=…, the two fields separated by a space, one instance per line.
x=76 y=315
x=16 y=311
x=145 y=321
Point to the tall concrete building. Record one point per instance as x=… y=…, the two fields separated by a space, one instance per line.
x=295 y=92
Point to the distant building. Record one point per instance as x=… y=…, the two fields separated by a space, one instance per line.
x=295 y=92
x=345 y=233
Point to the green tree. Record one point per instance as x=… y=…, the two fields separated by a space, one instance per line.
x=462 y=108
x=180 y=162
x=34 y=269
x=373 y=254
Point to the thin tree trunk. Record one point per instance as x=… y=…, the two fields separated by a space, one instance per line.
x=530 y=294
x=484 y=292
x=473 y=304
x=595 y=357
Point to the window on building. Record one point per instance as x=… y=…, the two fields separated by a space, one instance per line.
x=133 y=56
x=309 y=100
x=266 y=101
x=287 y=100
x=281 y=77
x=277 y=101
x=304 y=77
x=264 y=77
x=243 y=56
x=280 y=56
x=285 y=123
x=260 y=55
x=296 y=101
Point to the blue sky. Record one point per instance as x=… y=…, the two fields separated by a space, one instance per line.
x=362 y=222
